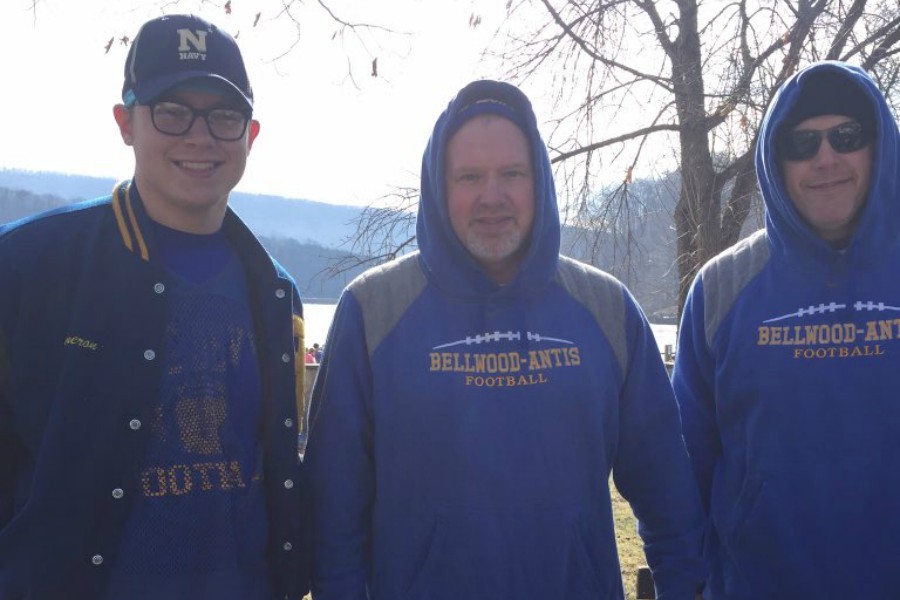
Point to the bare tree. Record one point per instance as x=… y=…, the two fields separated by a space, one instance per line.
x=645 y=88
x=359 y=40
x=363 y=34
x=384 y=230
x=632 y=77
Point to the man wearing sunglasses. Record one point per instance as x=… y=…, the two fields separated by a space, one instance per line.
x=148 y=368
x=788 y=349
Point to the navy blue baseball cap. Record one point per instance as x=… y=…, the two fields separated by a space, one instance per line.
x=176 y=49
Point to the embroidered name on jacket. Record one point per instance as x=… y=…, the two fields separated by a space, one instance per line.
x=488 y=365
x=74 y=340
x=848 y=335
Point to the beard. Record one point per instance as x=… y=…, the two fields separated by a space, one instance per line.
x=493 y=249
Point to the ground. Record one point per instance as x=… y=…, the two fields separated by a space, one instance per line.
x=631 y=551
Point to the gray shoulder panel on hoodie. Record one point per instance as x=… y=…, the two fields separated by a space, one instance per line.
x=603 y=296
x=726 y=275
x=384 y=293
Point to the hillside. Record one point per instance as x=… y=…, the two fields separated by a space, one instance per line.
x=308 y=237
x=271 y=216
x=306 y=261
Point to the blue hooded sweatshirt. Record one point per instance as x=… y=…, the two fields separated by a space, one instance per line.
x=786 y=350
x=462 y=433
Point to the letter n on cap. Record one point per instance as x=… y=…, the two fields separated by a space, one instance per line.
x=190 y=38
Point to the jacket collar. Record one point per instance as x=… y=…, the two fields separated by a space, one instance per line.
x=135 y=230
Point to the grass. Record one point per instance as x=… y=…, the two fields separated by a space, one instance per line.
x=631 y=549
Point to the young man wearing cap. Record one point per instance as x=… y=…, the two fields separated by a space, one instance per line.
x=787 y=350
x=476 y=395
x=148 y=369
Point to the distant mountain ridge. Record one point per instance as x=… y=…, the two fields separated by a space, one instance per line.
x=306 y=221
x=306 y=236
x=306 y=260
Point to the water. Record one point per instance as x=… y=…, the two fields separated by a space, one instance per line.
x=666 y=335
x=318 y=320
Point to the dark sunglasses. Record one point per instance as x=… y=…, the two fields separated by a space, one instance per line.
x=803 y=144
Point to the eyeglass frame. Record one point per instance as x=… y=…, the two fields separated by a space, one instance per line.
x=195 y=113
x=788 y=144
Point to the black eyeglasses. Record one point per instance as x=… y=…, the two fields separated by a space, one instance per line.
x=173 y=118
x=803 y=144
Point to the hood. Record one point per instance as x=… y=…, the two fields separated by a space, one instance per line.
x=878 y=225
x=445 y=260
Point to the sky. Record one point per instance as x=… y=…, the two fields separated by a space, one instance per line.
x=325 y=136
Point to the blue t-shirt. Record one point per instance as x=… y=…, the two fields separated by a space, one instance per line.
x=198 y=526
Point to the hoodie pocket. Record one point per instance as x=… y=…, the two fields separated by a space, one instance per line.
x=419 y=585
x=583 y=580
x=546 y=555
x=741 y=572
x=747 y=502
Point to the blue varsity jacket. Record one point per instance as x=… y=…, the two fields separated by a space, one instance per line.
x=82 y=326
